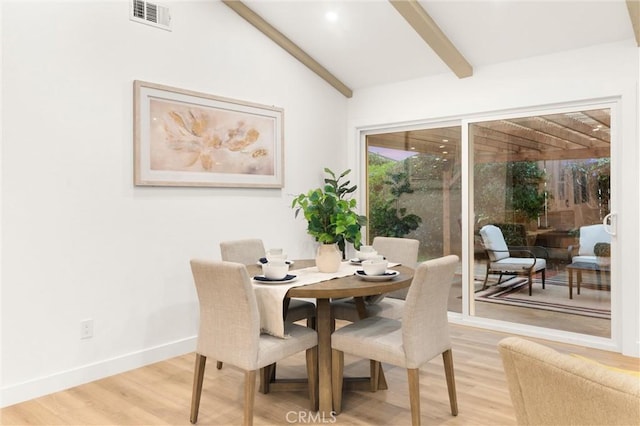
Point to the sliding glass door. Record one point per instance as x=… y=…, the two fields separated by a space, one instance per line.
x=414 y=191
x=539 y=183
x=542 y=188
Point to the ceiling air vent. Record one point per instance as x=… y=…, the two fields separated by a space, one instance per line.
x=150 y=13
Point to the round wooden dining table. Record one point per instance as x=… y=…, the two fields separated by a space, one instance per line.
x=323 y=292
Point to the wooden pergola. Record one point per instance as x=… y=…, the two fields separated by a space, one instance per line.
x=574 y=135
x=563 y=136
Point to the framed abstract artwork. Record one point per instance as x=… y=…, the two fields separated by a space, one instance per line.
x=186 y=138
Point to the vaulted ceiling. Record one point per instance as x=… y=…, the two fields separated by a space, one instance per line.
x=354 y=44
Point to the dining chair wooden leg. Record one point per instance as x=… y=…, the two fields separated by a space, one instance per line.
x=447 y=358
x=337 y=370
x=312 y=377
x=382 y=380
x=374 y=371
x=266 y=374
x=219 y=365
x=249 y=396
x=413 y=375
x=198 y=376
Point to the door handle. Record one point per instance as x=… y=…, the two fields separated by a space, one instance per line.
x=610 y=225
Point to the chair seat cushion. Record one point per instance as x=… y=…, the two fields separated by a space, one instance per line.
x=387 y=307
x=272 y=349
x=585 y=259
x=518 y=264
x=374 y=338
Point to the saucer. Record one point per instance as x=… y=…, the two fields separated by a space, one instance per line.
x=264 y=280
x=263 y=260
x=388 y=275
x=356 y=261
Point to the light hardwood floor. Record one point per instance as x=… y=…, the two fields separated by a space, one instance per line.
x=160 y=394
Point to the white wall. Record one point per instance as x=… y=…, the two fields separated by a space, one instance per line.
x=599 y=72
x=79 y=240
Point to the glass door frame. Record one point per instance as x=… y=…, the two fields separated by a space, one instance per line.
x=467 y=316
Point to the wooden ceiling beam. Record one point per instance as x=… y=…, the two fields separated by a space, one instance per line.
x=584 y=129
x=572 y=154
x=634 y=13
x=602 y=116
x=427 y=28
x=548 y=132
x=289 y=46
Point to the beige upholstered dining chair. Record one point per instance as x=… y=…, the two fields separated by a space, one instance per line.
x=248 y=252
x=397 y=250
x=230 y=332
x=421 y=335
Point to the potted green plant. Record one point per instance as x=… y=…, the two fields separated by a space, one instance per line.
x=332 y=219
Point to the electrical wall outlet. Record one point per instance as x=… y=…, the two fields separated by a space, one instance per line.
x=86 y=329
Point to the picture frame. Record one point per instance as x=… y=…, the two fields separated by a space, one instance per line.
x=188 y=138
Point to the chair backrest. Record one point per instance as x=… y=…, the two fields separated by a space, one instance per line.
x=589 y=236
x=246 y=251
x=401 y=250
x=425 y=326
x=550 y=388
x=229 y=318
x=494 y=242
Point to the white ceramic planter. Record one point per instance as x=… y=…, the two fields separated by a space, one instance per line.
x=328 y=258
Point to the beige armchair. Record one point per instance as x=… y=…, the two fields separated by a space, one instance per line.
x=230 y=332
x=550 y=388
x=421 y=335
x=397 y=250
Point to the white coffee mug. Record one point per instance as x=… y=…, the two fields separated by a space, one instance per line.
x=275 y=269
x=375 y=266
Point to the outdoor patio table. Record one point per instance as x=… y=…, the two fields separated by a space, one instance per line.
x=584 y=266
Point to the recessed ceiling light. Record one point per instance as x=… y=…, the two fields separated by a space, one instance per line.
x=331 y=16
x=445 y=152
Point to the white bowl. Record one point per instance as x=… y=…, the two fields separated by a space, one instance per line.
x=366 y=255
x=275 y=269
x=275 y=254
x=374 y=266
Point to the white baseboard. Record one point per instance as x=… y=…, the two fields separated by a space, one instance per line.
x=16 y=393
